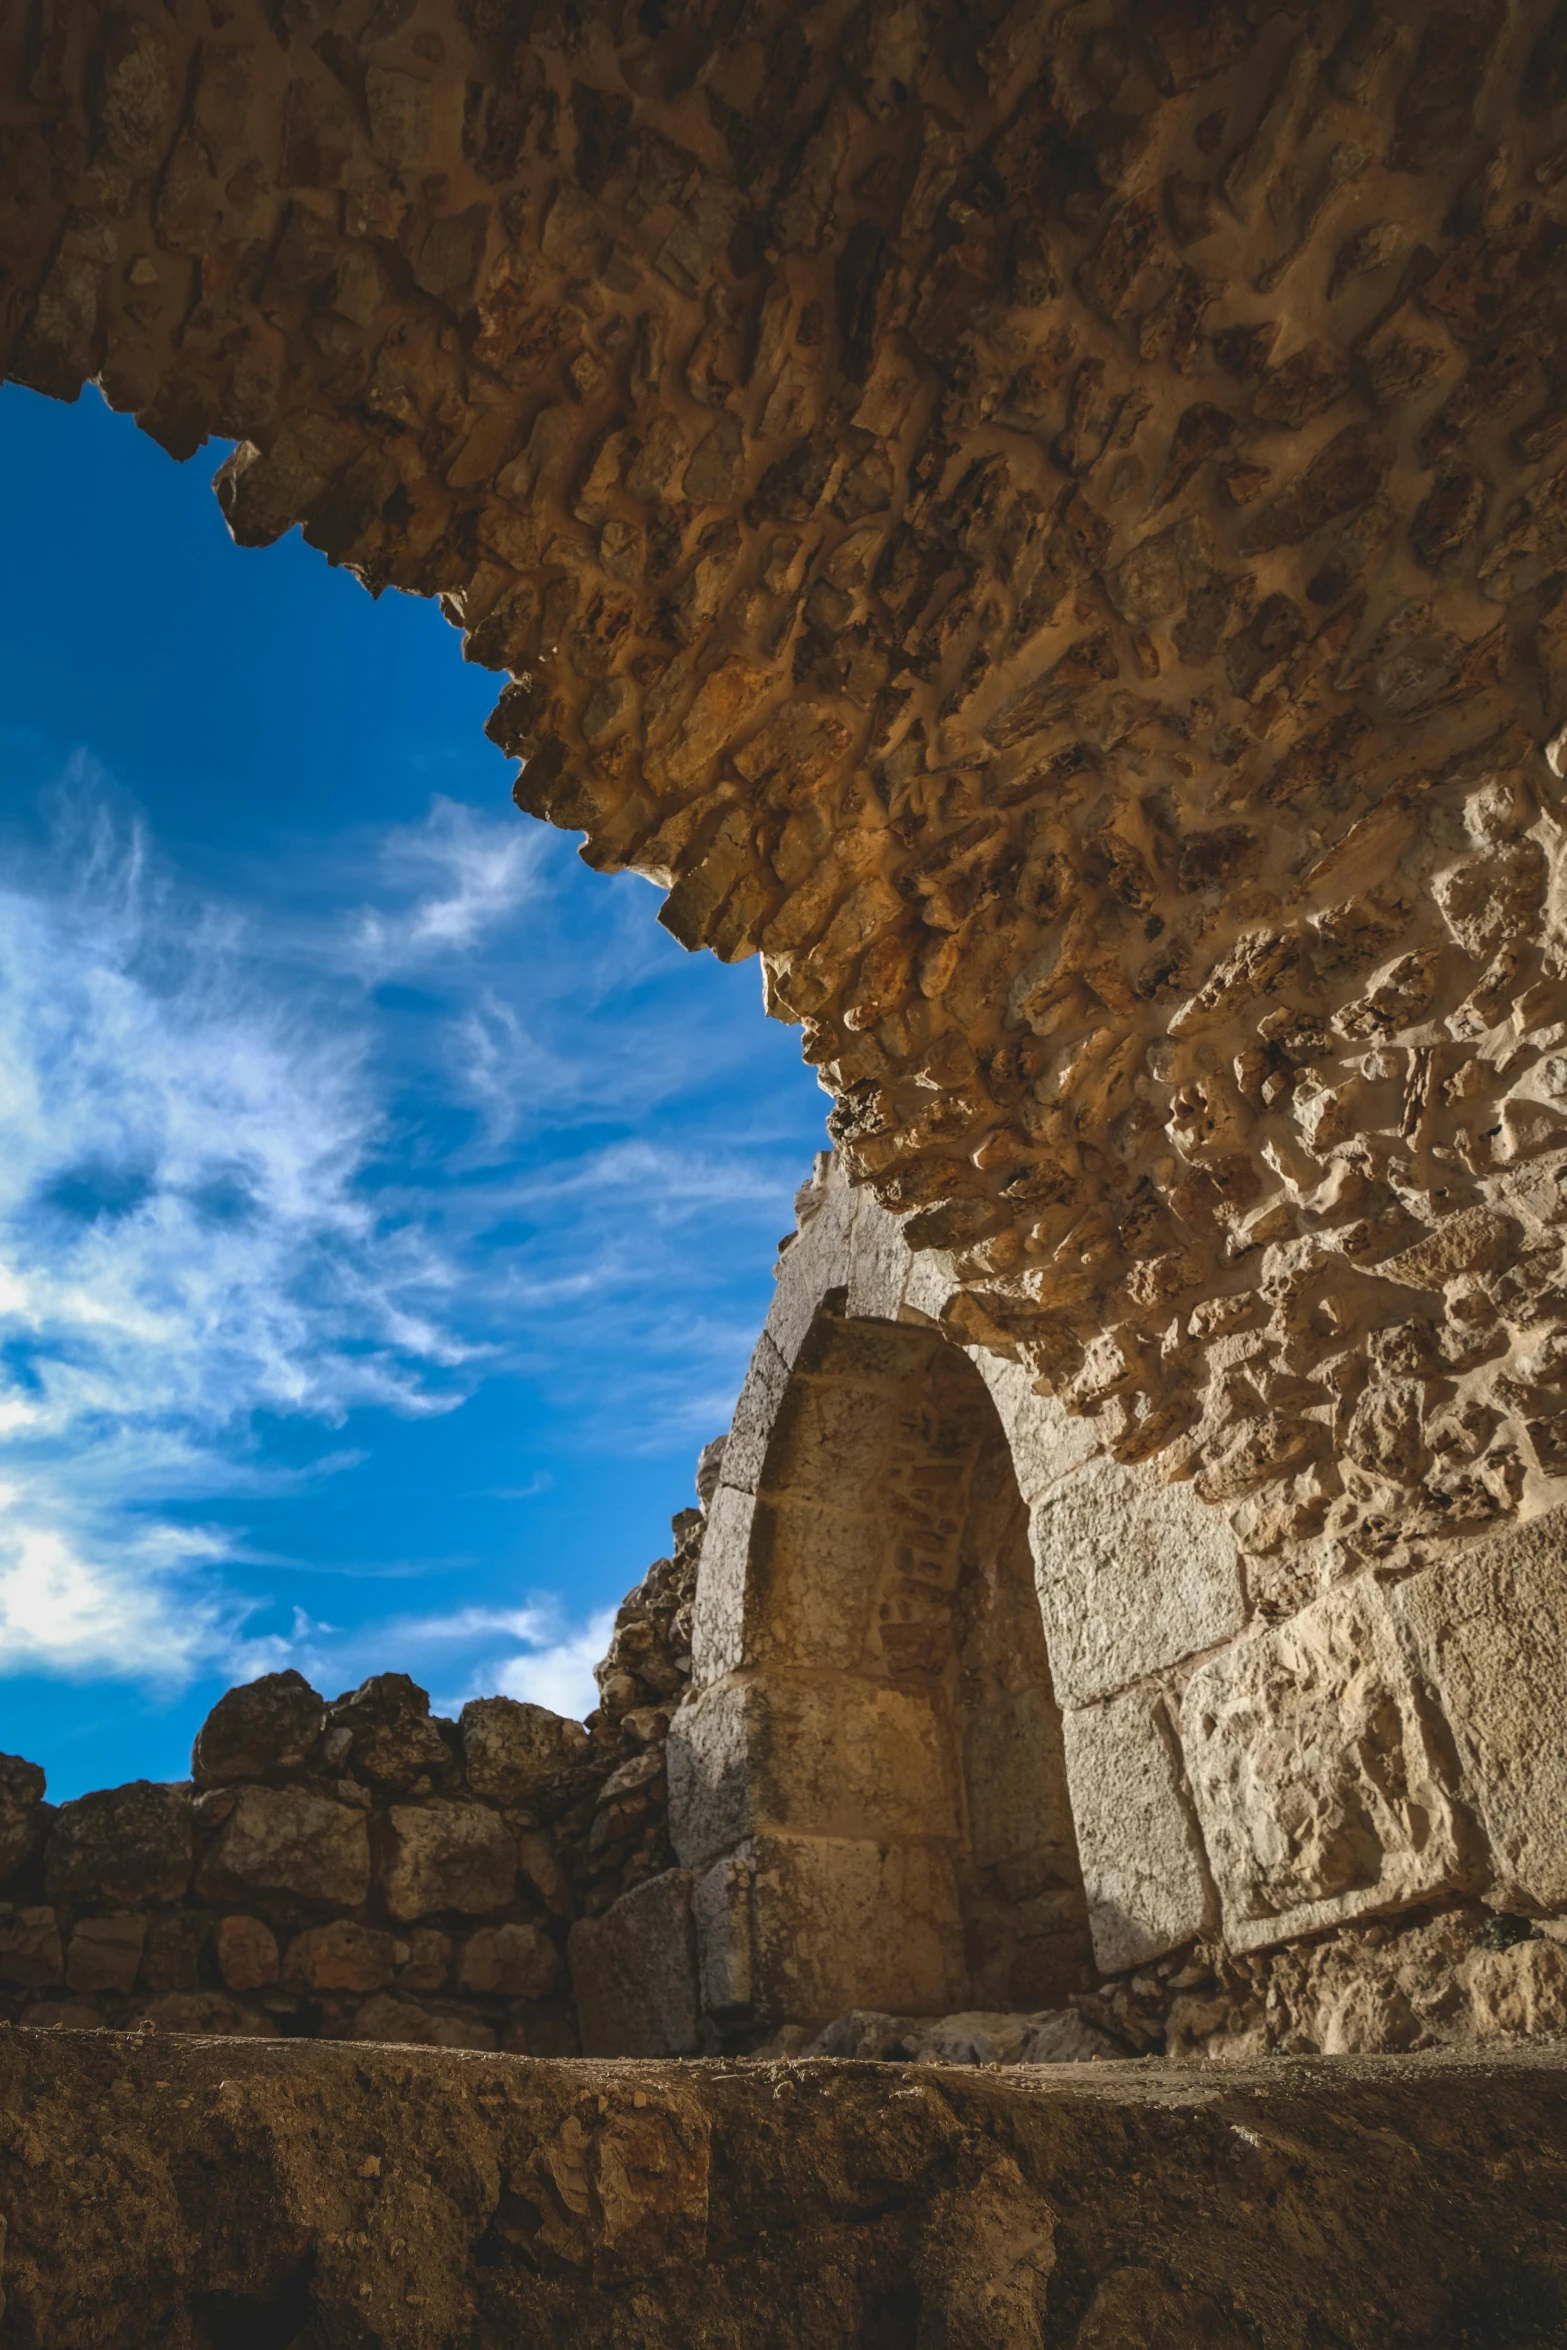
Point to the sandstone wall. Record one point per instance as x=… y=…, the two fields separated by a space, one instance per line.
x=1243 y=1764
x=354 y=1870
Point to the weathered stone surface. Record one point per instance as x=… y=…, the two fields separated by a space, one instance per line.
x=340 y=1957
x=1489 y=1628
x=264 y=1729
x=1317 y=1777
x=1132 y=1577
x=447 y=1856
x=512 y=1752
x=1407 y=2200
x=1141 y=1856
x=394 y=1743
x=516 y=1962
x=31 y=1954
x=127 y=1843
x=21 y=1812
x=1522 y=1990
x=247 y=1953
x=840 y=1922
x=281 y=1840
x=633 y=1972
x=105 y=1953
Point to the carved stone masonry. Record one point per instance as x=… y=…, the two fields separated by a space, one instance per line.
x=1046 y=523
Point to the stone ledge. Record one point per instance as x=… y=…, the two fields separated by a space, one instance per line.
x=197 y=2194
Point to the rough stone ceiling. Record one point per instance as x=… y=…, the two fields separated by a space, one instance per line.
x=1048 y=523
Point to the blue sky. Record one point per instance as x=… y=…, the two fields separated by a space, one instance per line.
x=387 y=1205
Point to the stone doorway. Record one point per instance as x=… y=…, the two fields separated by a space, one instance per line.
x=882 y=1769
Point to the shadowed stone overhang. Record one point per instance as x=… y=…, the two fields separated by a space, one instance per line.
x=1046 y=523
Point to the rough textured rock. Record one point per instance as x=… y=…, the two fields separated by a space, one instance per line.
x=186 y=2195
x=515 y=1753
x=22 y=1815
x=267 y=1726
x=281 y=1840
x=1047 y=527
x=131 y=1843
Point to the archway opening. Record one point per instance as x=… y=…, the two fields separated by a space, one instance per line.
x=908 y=1759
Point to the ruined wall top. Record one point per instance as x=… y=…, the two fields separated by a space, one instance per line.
x=1046 y=522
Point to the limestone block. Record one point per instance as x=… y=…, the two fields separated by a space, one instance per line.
x=428 y=1960
x=815 y=1263
x=633 y=1971
x=207 y=2012
x=1316 y=1776
x=1142 y=1863
x=1489 y=1628
x=514 y=1752
x=340 y=1957
x=105 y=1953
x=814 y=1573
x=264 y=1728
x=281 y=1840
x=931 y=1286
x=247 y=1953
x=516 y=1961
x=831 y=1436
x=841 y=1922
x=400 y=2021
x=21 y=1811
x=30 y=1951
x=721 y=1914
x=1132 y=1575
x=131 y=1843
x=879 y=1262
x=718 y=1612
x=1522 y=1990
x=1047 y=1443
x=447 y=1856
x=827 y=1755
x=395 y=1742
x=1015 y=1774
x=750 y=1431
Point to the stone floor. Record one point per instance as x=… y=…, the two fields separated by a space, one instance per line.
x=221 y=2195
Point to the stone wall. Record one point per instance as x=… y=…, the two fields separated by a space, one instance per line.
x=354 y=1869
x=1314 y=1804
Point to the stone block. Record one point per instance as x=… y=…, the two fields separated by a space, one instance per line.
x=513 y=1753
x=340 y=1957
x=879 y=1262
x=1317 y=1778
x=1014 y=1771
x=208 y=2012
x=931 y=1286
x=750 y=1431
x=395 y=1742
x=281 y=1840
x=516 y=1961
x=1143 y=1874
x=105 y=1953
x=832 y=1435
x=1489 y=1630
x=840 y=1922
x=445 y=1856
x=31 y=1955
x=1046 y=1441
x=131 y=1843
x=1133 y=1575
x=399 y=2021
x=21 y=1811
x=814 y=1578
x=267 y=1727
x=718 y=1613
x=424 y=1961
x=825 y=1755
x=247 y=1953
x=633 y=1972
x=814 y=1266
x=1522 y=1991
x=721 y=1913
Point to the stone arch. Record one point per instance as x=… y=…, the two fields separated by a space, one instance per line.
x=1045 y=526
x=877 y=1787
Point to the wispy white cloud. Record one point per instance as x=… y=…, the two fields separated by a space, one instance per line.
x=243 y=1179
